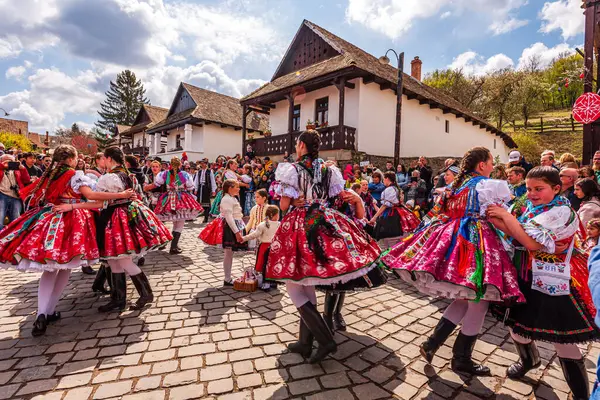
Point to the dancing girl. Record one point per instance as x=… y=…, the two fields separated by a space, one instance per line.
x=553 y=277
x=458 y=255
x=177 y=204
x=58 y=233
x=314 y=244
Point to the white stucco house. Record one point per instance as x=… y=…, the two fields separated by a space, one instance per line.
x=203 y=124
x=323 y=77
x=134 y=139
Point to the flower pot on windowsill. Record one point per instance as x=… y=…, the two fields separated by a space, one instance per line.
x=267 y=133
x=310 y=127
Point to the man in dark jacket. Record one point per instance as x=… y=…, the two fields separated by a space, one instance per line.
x=515 y=159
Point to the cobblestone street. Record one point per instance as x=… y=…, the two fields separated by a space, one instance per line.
x=200 y=340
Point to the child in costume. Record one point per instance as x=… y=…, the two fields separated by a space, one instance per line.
x=177 y=204
x=58 y=232
x=315 y=244
x=393 y=219
x=371 y=206
x=264 y=233
x=592 y=230
x=227 y=230
x=457 y=254
x=258 y=212
x=553 y=278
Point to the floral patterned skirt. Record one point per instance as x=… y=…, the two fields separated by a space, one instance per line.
x=129 y=229
x=555 y=319
x=439 y=261
x=177 y=206
x=218 y=233
x=41 y=240
x=320 y=246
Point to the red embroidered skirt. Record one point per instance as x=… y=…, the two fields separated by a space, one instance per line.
x=320 y=246
x=130 y=229
x=177 y=206
x=41 y=240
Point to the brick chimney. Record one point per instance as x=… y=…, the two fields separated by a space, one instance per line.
x=415 y=68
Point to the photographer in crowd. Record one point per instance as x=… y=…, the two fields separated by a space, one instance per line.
x=13 y=177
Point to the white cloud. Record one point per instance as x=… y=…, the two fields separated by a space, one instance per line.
x=564 y=15
x=15 y=72
x=50 y=96
x=501 y=27
x=542 y=54
x=472 y=63
x=445 y=15
x=395 y=17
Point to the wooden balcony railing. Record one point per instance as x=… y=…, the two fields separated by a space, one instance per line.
x=332 y=138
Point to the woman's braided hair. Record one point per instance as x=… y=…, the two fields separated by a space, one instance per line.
x=469 y=163
x=60 y=155
x=312 y=140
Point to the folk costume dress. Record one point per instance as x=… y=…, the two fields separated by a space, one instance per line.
x=42 y=240
x=559 y=307
x=457 y=253
x=125 y=227
x=397 y=219
x=177 y=203
x=215 y=209
x=315 y=244
x=222 y=230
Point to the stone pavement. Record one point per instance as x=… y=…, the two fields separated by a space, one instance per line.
x=200 y=340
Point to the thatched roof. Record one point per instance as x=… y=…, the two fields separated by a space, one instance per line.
x=211 y=107
x=351 y=57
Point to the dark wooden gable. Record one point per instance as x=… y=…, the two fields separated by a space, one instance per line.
x=307 y=48
x=142 y=117
x=183 y=101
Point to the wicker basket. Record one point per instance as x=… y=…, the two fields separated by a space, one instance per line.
x=245 y=286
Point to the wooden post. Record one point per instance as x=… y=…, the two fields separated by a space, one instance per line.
x=341 y=87
x=572 y=124
x=588 y=63
x=399 y=90
x=244 y=115
x=542 y=124
x=290 y=144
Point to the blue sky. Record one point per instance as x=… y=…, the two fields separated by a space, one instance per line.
x=58 y=56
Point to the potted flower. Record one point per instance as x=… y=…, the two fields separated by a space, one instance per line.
x=268 y=132
x=310 y=125
x=324 y=124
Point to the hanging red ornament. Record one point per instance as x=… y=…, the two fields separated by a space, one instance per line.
x=587 y=108
x=567 y=84
x=581 y=76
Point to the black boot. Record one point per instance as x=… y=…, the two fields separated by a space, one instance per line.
x=461 y=356
x=98 y=285
x=331 y=300
x=442 y=331
x=529 y=359
x=39 y=326
x=140 y=281
x=304 y=344
x=576 y=377
x=174 y=244
x=86 y=269
x=55 y=316
x=338 y=320
x=108 y=278
x=118 y=294
x=313 y=320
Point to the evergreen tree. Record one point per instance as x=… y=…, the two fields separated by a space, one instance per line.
x=105 y=138
x=75 y=130
x=123 y=101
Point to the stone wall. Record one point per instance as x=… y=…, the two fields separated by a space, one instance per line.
x=14 y=126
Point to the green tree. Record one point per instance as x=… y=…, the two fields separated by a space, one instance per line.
x=566 y=68
x=123 y=101
x=467 y=90
x=529 y=145
x=500 y=91
x=529 y=94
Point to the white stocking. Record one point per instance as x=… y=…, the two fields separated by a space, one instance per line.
x=61 y=282
x=178 y=226
x=227 y=263
x=301 y=294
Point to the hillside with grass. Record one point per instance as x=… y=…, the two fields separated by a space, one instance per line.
x=553 y=130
